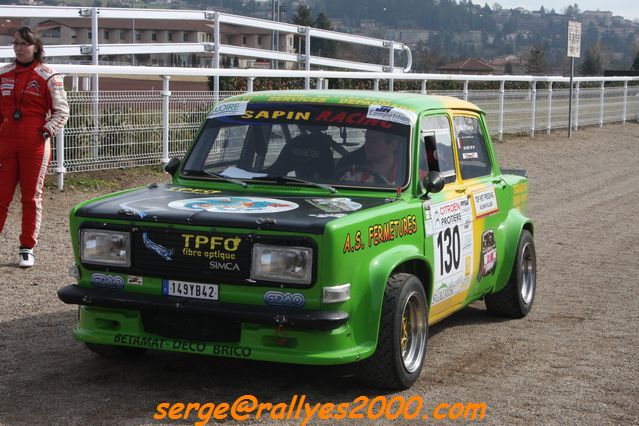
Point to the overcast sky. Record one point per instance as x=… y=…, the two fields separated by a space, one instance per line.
x=627 y=8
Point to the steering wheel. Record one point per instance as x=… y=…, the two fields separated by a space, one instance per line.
x=379 y=178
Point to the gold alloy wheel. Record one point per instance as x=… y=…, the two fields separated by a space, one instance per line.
x=413 y=332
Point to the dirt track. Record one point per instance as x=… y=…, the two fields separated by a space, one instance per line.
x=574 y=359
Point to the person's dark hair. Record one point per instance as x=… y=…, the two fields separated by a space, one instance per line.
x=32 y=37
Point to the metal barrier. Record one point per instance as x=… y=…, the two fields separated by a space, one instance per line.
x=216 y=48
x=131 y=128
x=118 y=129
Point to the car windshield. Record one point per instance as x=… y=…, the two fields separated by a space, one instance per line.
x=326 y=144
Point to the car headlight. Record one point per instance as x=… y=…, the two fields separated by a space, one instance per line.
x=282 y=263
x=100 y=247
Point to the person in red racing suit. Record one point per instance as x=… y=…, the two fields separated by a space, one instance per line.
x=33 y=107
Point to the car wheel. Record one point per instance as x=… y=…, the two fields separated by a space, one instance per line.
x=516 y=299
x=403 y=335
x=115 y=352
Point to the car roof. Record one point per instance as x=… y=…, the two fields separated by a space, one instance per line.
x=412 y=101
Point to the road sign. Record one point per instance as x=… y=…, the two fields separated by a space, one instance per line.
x=574 y=51
x=574 y=39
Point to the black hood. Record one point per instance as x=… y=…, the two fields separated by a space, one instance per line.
x=175 y=204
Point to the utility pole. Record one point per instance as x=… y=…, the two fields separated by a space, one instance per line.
x=274 y=10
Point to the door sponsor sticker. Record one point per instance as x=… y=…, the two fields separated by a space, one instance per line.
x=450 y=223
x=485 y=202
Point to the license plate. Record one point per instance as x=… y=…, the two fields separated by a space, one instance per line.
x=190 y=290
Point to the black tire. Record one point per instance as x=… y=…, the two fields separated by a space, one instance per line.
x=403 y=336
x=516 y=299
x=115 y=352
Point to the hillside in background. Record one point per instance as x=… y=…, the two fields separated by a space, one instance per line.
x=444 y=31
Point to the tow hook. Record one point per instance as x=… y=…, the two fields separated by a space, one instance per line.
x=280 y=334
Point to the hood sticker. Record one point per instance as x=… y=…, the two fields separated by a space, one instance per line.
x=141 y=207
x=190 y=190
x=327 y=215
x=234 y=205
x=163 y=252
x=335 y=205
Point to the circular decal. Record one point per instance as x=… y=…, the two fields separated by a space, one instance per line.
x=234 y=205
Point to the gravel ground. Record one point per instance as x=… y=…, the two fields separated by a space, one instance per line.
x=574 y=359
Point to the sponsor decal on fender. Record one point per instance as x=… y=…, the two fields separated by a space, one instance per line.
x=381 y=233
x=488 y=258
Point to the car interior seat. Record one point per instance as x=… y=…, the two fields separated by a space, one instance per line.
x=309 y=156
x=430 y=147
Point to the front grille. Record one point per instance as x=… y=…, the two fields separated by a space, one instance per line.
x=199 y=328
x=193 y=256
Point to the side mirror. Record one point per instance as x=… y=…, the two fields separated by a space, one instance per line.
x=172 y=166
x=433 y=182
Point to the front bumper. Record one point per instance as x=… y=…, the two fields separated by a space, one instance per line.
x=115 y=318
x=298 y=319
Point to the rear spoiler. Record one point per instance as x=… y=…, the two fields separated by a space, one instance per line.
x=518 y=172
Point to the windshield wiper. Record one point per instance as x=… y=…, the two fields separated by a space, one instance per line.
x=284 y=179
x=227 y=179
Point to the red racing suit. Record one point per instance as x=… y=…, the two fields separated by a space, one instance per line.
x=33 y=107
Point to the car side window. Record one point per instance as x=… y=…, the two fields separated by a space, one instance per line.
x=471 y=148
x=436 y=147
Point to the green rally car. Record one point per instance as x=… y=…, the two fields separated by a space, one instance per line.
x=309 y=227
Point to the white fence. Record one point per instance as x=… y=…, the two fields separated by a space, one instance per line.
x=216 y=48
x=130 y=128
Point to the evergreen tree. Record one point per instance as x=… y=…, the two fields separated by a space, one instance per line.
x=536 y=62
x=593 y=62
x=323 y=47
x=635 y=64
x=302 y=18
